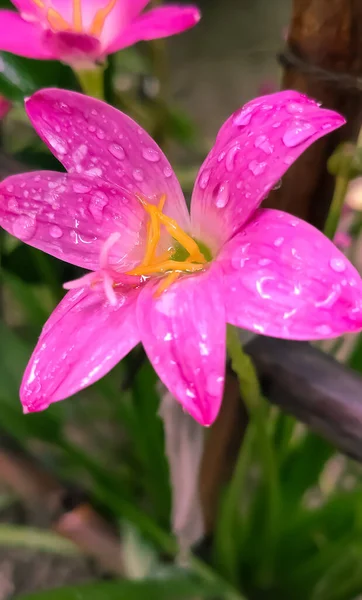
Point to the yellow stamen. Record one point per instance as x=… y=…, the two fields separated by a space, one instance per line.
x=153 y=265
x=100 y=18
x=168 y=265
x=153 y=229
x=56 y=20
x=77 y=16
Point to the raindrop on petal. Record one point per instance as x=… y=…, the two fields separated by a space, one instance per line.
x=55 y=232
x=222 y=196
x=338 y=265
x=24 y=227
x=151 y=154
x=298 y=133
x=117 y=151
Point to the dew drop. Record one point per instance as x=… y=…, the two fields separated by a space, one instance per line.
x=278 y=242
x=298 y=133
x=81 y=188
x=55 y=232
x=264 y=144
x=94 y=172
x=289 y=160
x=117 y=151
x=24 y=227
x=222 y=196
x=204 y=179
x=151 y=154
x=257 y=167
x=263 y=262
x=100 y=134
x=243 y=117
x=294 y=107
x=80 y=153
x=167 y=172
x=10 y=188
x=221 y=156
x=230 y=158
x=57 y=143
x=97 y=204
x=337 y=264
x=137 y=174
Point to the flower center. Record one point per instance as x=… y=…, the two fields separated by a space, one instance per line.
x=185 y=257
x=58 y=23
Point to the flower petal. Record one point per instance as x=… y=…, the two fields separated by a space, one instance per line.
x=183 y=332
x=116 y=148
x=84 y=339
x=71 y=216
x=157 y=23
x=253 y=149
x=284 y=278
x=22 y=37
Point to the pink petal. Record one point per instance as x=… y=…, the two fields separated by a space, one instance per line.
x=27 y=8
x=116 y=148
x=183 y=332
x=157 y=23
x=84 y=339
x=22 y=37
x=73 y=48
x=71 y=216
x=253 y=149
x=284 y=278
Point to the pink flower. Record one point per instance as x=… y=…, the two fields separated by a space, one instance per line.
x=159 y=275
x=5 y=106
x=80 y=33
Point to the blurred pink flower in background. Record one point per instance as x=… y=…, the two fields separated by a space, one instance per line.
x=353 y=198
x=5 y=106
x=80 y=32
x=162 y=276
x=342 y=240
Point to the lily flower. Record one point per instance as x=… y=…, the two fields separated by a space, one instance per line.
x=80 y=33
x=159 y=275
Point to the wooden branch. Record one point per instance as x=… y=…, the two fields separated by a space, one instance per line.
x=324 y=60
x=313 y=387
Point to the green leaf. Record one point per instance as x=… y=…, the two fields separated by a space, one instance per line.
x=355 y=360
x=168 y=588
x=21 y=77
x=20 y=536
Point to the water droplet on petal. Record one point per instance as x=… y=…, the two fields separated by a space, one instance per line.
x=24 y=227
x=230 y=158
x=204 y=179
x=278 y=242
x=263 y=143
x=100 y=134
x=80 y=153
x=137 y=174
x=338 y=265
x=57 y=143
x=94 y=172
x=263 y=262
x=81 y=188
x=117 y=151
x=221 y=156
x=222 y=196
x=294 y=107
x=289 y=160
x=243 y=117
x=278 y=185
x=10 y=188
x=151 y=154
x=298 y=133
x=323 y=330
x=96 y=205
x=55 y=232
x=167 y=172
x=257 y=167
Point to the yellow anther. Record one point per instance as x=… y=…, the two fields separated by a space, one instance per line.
x=158 y=265
x=77 y=16
x=56 y=20
x=168 y=265
x=100 y=18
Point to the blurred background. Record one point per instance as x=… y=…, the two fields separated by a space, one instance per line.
x=86 y=494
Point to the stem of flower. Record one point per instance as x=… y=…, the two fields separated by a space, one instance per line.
x=339 y=194
x=92 y=81
x=257 y=408
x=340 y=189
